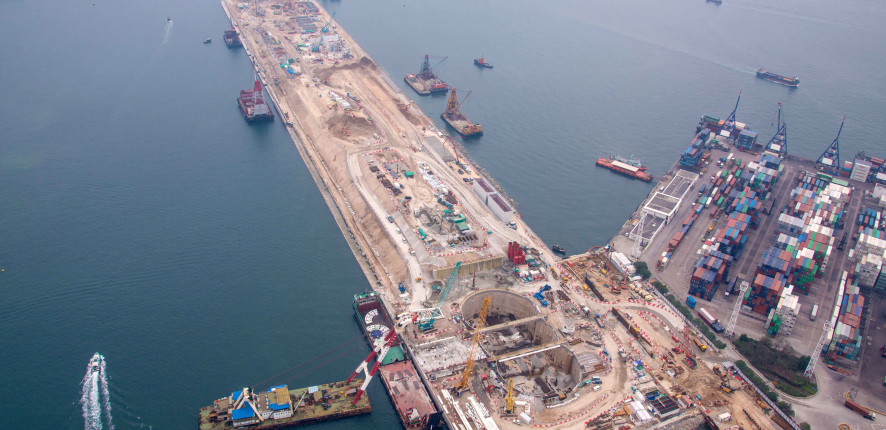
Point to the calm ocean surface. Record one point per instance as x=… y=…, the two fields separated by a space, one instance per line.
x=144 y=219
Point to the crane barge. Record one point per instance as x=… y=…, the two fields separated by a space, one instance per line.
x=457 y=120
x=426 y=82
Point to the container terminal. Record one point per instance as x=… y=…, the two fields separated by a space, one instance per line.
x=501 y=331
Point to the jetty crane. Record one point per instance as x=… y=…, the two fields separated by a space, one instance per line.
x=325 y=28
x=380 y=351
x=428 y=316
x=475 y=344
x=781 y=136
x=426 y=67
x=831 y=156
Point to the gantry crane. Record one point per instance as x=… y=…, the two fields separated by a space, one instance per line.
x=781 y=136
x=832 y=153
x=475 y=344
x=729 y=124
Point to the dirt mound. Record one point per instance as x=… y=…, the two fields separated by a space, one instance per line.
x=358 y=127
x=364 y=63
x=408 y=114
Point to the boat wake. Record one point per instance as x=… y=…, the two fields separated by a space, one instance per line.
x=95 y=397
x=167 y=32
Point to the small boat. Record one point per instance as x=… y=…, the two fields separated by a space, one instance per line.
x=168 y=18
x=714 y=1
x=207 y=41
x=558 y=248
x=482 y=63
x=96 y=362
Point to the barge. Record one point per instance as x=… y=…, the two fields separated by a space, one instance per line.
x=252 y=104
x=232 y=39
x=629 y=167
x=279 y=407
x=778 y=79
x=457 y=120
x=399 y=375
x=417 y=85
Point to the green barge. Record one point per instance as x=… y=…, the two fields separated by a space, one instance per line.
x=279 y=407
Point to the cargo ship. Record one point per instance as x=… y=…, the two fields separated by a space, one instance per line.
x=252 y=104
x=482 y=63
x=399 y=375
x=232 y=39
x=279 y=407
x=778 y=79
x=630 y=167
x=457 y=120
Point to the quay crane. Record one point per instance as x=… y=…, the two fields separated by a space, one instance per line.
x=380 y=351
x=475 y=344
x=832 y=153
x=781 y=136
x=729 y=124
x=426 y=322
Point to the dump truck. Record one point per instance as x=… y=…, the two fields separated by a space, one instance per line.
x=700 y=345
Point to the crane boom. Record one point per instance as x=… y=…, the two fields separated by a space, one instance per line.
x=475 y=344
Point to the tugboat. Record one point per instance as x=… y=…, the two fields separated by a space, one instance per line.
x=207 y=40
x=559 y=249
x=482 y=63
x=96 y=362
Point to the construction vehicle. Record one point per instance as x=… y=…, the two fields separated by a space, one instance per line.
x=325 y=28
x=726 y=388
x=429 y=315
x=700 y=345
x=540 y=296
x=509 y=399
x=475 y=344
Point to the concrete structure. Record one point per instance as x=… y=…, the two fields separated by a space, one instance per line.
x=500 y=208
x=483 y=189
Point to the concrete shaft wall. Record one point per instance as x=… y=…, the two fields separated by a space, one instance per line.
x=503 y=303
x=564 y=360
x=469 y=268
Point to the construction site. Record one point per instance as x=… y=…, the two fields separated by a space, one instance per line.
x=502 y=332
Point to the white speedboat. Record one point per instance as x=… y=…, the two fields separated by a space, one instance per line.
x=96 y=362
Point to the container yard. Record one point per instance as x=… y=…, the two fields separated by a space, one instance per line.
x=473 y=320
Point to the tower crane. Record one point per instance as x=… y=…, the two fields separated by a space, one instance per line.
x=325 y=28
x=429 y=315
x=475 y=344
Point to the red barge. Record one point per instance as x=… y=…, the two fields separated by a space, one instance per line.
x=629 y=167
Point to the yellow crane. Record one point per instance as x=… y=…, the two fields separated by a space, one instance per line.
x=475 y=343
x=509 y=400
